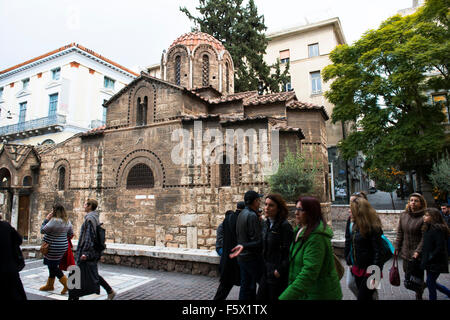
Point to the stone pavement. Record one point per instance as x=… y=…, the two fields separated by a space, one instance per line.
x=145 y=284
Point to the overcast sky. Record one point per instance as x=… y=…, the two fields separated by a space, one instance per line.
x=134 y=33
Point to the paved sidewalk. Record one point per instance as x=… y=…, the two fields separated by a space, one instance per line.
x=143 y=284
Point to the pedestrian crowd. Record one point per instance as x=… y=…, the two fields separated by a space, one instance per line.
x=58 y=256
x=271 y=260
x=261 y=252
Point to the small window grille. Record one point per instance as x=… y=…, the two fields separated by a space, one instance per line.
x=227 y=77
x=205 y=71
x=140 y=176
x=177 y=70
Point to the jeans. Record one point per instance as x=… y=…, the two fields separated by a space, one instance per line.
x=251 y=272
x=433 y=285
x=53 y=268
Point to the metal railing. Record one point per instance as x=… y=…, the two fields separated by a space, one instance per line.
x=35 y=124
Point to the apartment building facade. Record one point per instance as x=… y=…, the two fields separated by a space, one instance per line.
x=50 y=98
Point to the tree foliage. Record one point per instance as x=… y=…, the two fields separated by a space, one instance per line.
x=440 y=175
x=241 y=30
x=294 y=177
x=381 y=84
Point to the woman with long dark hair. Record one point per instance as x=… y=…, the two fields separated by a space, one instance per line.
x=366 y=244
x=312 y=271
x=434 y=252
x=276 y=237
x=409 y=240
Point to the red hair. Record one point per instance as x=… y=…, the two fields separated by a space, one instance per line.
x=313 y=214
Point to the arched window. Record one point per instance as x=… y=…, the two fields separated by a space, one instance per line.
x=227 y=78
x=140 y=176
x=61 y=178
x=5 y=178
x=27 y=181
x=205 y=70
x=225 y=173
x=141 y=116
x=138 y=112
x=178 y=70
x=144 y=111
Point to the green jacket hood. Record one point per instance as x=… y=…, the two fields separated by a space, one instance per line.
x=320 y=231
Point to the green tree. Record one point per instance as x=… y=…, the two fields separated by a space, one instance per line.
x=294 y=177
x=380 y=86
x=440 y=178
x=241 y=30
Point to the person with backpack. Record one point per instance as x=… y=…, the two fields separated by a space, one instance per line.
x=367 y=247
x=90 y=247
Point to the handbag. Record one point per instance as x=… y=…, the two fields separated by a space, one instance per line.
x=68 y=258
x=351 y=282
x=414 y=276
x=44 y=248
x=339 y=267
x=394 y=275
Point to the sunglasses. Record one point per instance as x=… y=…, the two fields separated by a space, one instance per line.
x=299 y=209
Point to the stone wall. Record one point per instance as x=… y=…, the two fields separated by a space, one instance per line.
x=389 y=218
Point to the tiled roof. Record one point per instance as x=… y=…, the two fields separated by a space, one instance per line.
x=269 y=98
x=192 y=39
x=93 y=132
x=298 y=105
x=72 y=45
x=233 y=97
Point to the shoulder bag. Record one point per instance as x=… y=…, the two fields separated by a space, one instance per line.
x=394 y=275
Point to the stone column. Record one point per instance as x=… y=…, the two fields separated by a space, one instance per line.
x=15 y=209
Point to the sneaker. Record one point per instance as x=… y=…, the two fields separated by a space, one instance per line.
x=111 y=295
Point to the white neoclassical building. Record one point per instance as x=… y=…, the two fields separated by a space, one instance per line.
x=49 y=98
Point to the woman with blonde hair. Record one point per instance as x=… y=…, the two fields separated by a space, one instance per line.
x=366 y=244
x=56 y=229
x=409 y=239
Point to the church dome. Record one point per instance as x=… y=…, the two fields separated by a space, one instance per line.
x=192 y=39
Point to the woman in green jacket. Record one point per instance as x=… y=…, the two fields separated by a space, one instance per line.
x=312 y=272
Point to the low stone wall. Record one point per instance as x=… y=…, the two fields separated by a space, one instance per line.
x=190 y=261
x=389 y=218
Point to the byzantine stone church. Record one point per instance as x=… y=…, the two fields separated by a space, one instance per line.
x=145 y=197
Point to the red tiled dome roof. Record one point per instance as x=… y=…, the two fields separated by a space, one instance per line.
x=192 y=39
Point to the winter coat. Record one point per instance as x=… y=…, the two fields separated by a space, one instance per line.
x=365 y=251
x=86 y=240
x=276 y=243
x=312 y=272
x=56 y=231
x=249 y=234
x=229 y=268
x=409 y=234
x=434 y=252
x=11 y=287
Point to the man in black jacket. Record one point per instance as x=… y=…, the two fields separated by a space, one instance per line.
x=229 y=268
x=11 y=287
x=249 y=248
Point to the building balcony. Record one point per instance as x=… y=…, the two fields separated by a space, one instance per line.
x=34 y=127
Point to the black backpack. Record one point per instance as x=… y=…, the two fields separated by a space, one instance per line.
x=100 y=237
